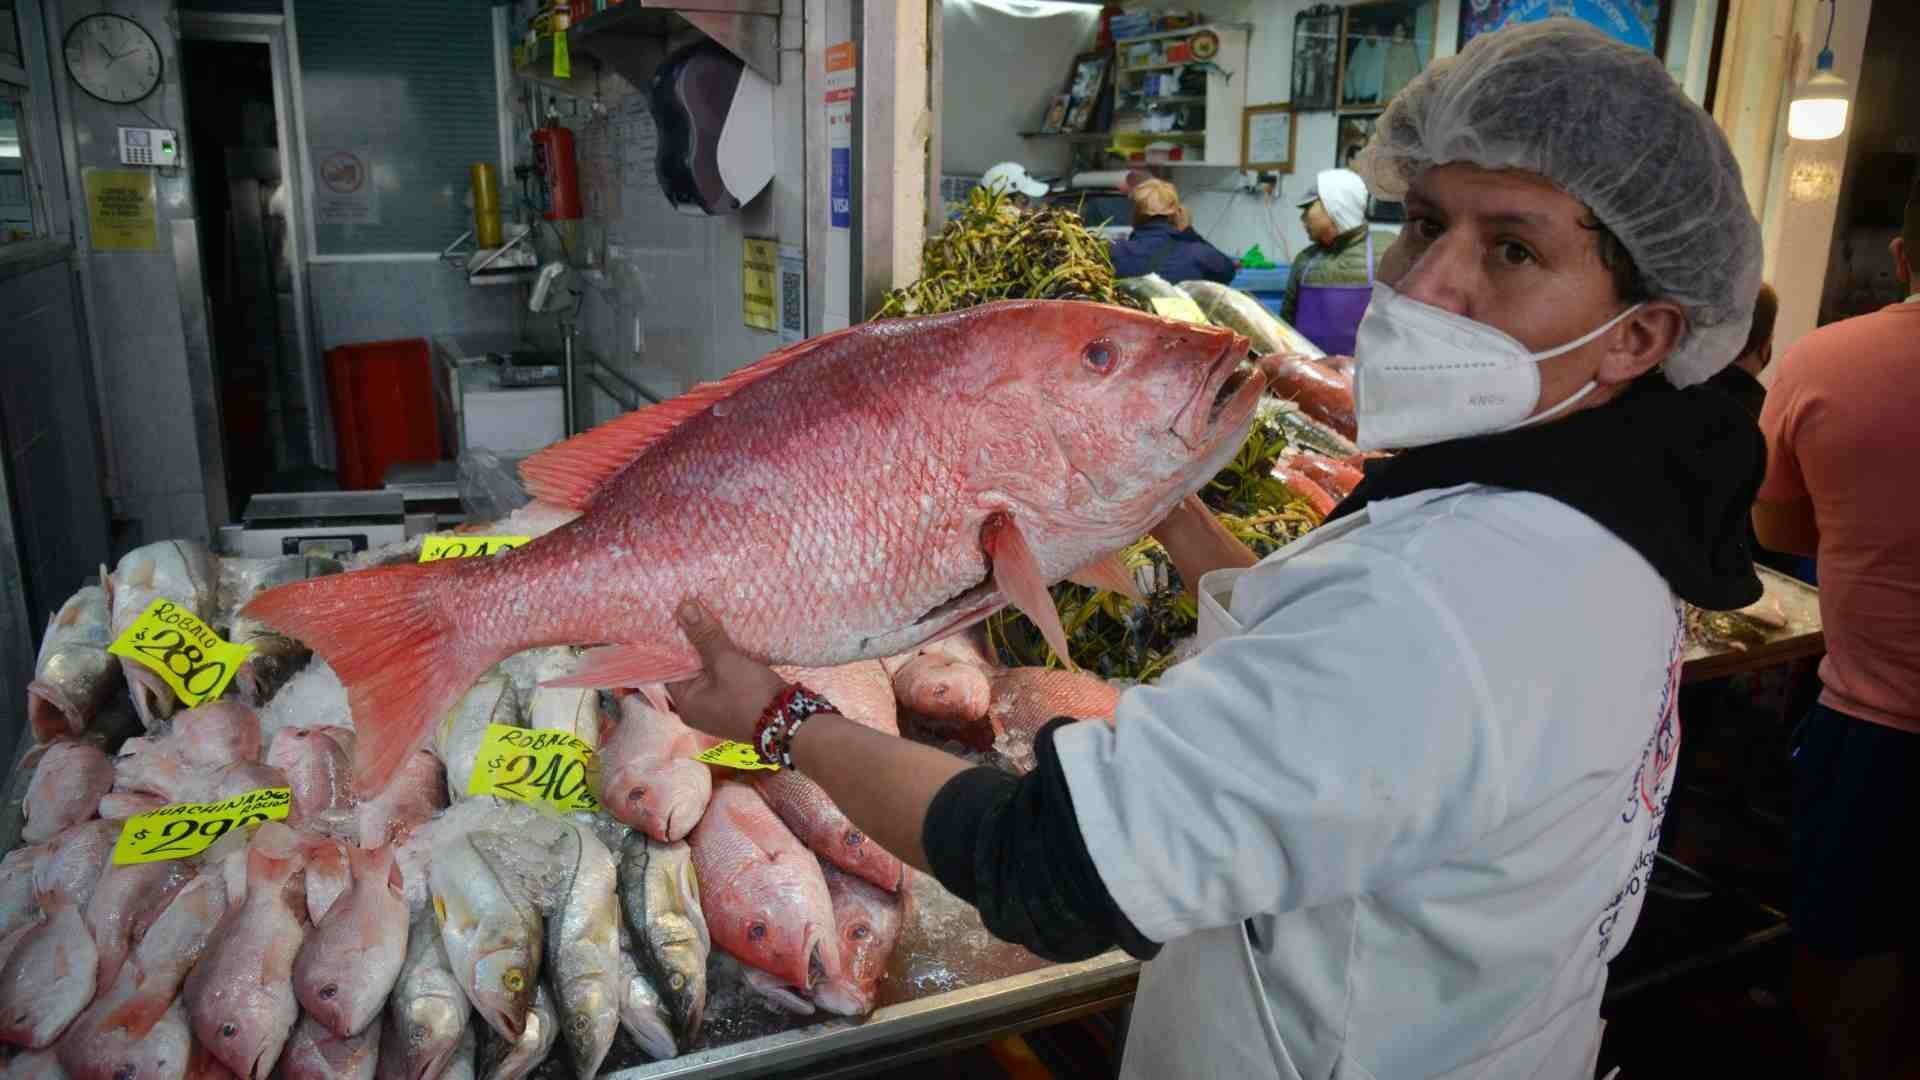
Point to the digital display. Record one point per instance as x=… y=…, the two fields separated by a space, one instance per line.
x=136 y=137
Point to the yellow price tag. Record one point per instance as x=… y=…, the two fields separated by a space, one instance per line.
x=438 y=546
x=1179 y=307
x=182 y=650
x=552 y=768
x=734 y=755
x=186 y=829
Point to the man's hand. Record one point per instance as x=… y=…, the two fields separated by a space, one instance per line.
x=1198 y=544
x=732 y=690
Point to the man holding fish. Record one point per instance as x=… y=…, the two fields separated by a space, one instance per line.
x=1396 y=818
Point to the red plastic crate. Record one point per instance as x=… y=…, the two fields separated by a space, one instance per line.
x=382 y=396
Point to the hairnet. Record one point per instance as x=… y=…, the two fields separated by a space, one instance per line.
x=1607 y=124
x=1158 y=198
x=1343 y=195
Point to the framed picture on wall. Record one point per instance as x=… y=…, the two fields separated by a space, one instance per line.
x=1056 y=114
x=1085 y=87
x=1385 y=44
x=1640 y=23
x=1267 y=138
x=1316 y=58
x=1353 y=133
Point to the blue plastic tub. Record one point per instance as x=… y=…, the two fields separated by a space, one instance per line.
x=1267 y=286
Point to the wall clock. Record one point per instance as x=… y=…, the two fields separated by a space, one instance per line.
x=113 y=58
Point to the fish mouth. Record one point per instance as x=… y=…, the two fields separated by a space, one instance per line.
x=1227 y=394
x=842 y=998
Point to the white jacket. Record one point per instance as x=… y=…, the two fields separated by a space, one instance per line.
x=1426 y=770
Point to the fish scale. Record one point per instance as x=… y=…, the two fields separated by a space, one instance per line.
x=790 y=515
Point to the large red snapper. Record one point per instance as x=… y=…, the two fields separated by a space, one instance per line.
x=765 y=899
x=846 y=498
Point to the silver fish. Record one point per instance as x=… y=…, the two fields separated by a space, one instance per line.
x=427 y=1011
x=178 y=570
x=461 y=1065
x=491 y=931
x=660 y=897
x=583 y=954
x=275 y=656
x=503 y=1060
x=457 y=740
x=643 y=1014
x=74 y=675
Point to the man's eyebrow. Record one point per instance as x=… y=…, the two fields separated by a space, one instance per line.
x=1518 y=217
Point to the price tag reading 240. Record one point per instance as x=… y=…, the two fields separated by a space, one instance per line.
x=186 y=829
x=436 y=547
x=552 y=768
x=182 y=650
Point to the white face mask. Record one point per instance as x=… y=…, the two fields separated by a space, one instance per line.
x=1424 y=375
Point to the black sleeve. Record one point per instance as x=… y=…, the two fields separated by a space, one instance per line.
x=1012 y=848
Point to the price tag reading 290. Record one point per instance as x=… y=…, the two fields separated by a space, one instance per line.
x=182 y=650
x=552 y=768
x=434 y=548
x=187 y=829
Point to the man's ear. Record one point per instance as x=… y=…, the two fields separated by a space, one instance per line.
x=1641 y=341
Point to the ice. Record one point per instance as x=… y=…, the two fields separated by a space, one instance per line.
x=529 y=669
x=1017 y=748
x=313 y=698
x=944 y=947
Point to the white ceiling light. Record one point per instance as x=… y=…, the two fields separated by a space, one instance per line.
x=1819 y=109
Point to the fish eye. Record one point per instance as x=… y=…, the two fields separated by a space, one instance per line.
x=328 y=991
x=636 y=793
x=126 y=1072
x=1100 y=356
x=756 y=931
x=854 y=838
x=228 y=1031
x=581 y=1023
x=860 y=932
x=514 y=981
x=420 y=1033
x=676 y=980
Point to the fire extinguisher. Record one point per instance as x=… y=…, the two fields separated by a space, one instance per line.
x=553 y=155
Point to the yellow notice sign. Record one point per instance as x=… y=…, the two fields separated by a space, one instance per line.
x=562 y=59
x=187 y=829
x=734 y=755
x=184 y=651
x=120 y=210
x=1179 y=307
x=759 y=298
x=551 y=768
x=435 y=548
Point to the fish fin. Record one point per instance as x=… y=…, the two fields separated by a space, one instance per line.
x=628 y=665
x=374 y=863
x=656 y=696
x=1109 y=572
x=404 y=663
x=1016 y=574
x=571 y=473
x=137 y=1015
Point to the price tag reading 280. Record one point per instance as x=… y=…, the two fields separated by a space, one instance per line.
x=552 y=768
x=186 y=829
x=436 y=547
x=182 y=650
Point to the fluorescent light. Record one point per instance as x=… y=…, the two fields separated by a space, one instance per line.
x=9 y=149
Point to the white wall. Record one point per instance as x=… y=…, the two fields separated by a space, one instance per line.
x=1003 y=60
x=1233 y=220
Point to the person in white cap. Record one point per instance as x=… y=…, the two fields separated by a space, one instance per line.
x=1331 y=281
x=1397 y=816
x=1010 y=178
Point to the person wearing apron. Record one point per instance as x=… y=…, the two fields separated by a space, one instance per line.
x=1396 y=816
x=1331 y=281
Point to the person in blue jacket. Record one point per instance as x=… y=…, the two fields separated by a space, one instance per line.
x=1164 y=243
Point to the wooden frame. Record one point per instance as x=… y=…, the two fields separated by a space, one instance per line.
x=1495 y=14
x=1317 y=36
x=1084 y=106
x=1267 y=163
x=1377 y=24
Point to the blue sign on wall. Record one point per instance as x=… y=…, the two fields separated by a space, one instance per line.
x=840 y=188
x=1636 y=22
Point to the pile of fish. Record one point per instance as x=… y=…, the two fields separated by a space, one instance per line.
x=418 y=931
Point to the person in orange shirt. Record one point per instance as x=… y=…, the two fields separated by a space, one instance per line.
x=1842 y=442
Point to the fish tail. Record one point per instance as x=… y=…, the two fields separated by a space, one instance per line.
x=402 y=658
x=373 y=864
